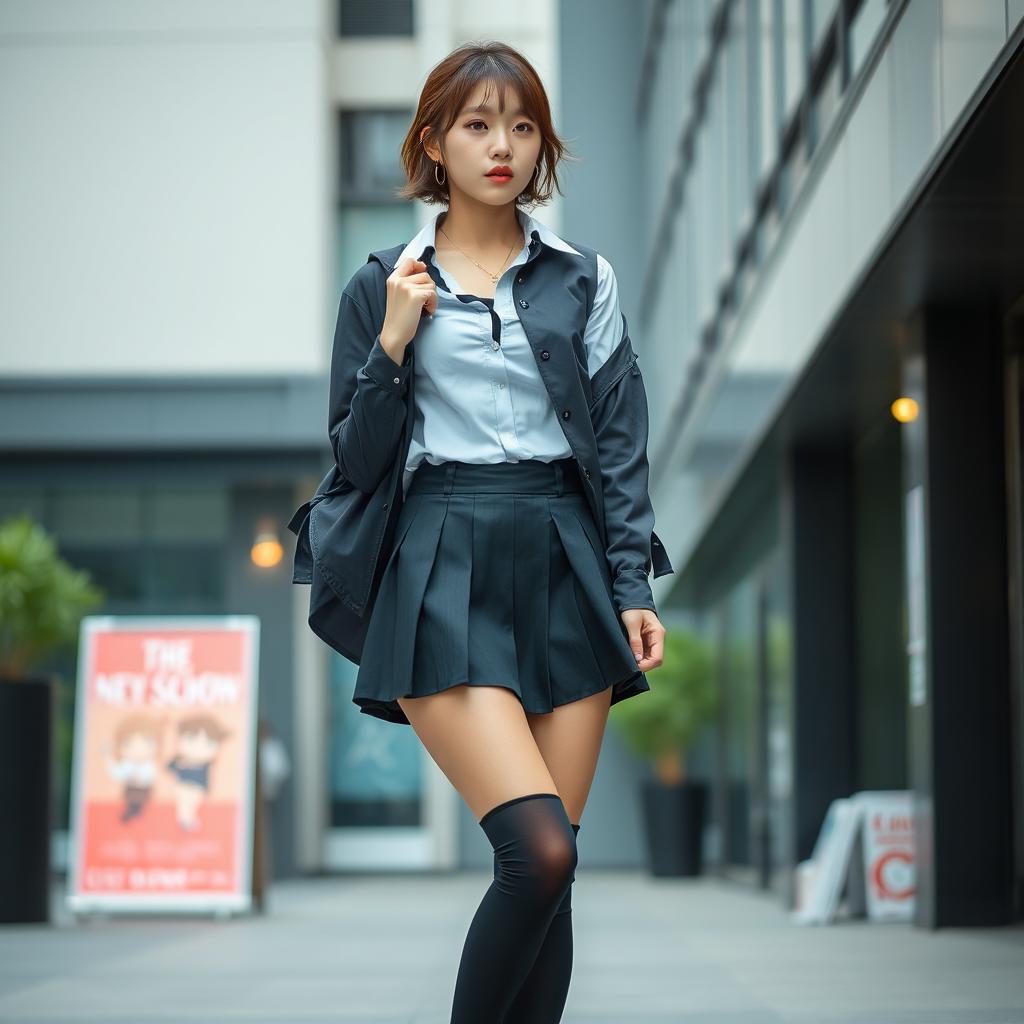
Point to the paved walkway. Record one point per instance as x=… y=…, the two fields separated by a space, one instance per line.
x=384 y=950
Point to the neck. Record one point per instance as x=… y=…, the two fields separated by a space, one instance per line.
x=482 y=228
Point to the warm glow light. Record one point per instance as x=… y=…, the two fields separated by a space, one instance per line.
x=266 y=551
x=904 y=409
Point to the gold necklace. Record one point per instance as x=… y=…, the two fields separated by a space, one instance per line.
x=493 y=277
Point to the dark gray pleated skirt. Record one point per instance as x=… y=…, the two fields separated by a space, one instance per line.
x=496 y=577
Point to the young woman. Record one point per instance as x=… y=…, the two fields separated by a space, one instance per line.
x=514 y=606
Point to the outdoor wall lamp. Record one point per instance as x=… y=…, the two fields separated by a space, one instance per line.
x=904 y=409
x=267 y=550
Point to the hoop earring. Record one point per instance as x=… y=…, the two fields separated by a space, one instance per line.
x=438 y=180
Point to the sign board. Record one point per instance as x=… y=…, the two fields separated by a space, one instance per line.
x=887 y=843
x=164 y=764
x=883 y=879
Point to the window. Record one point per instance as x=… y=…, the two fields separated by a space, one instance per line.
x=369 y=214
x=822 y=13
x=369 y=142
x=825 y=102
x=739 y=123
x=358 y=18
x=791 y=40
x=766 y=97
x=863 y=30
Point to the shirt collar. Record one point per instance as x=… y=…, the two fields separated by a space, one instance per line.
x=536 y=233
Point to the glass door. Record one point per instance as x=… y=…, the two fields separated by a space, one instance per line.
x=390 y=807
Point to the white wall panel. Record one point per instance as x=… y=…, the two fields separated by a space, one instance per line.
x=973 y=32
x=165 y=207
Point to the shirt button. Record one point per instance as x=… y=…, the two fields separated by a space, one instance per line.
x=520 y=279
x=586 y=472
x=566 y=413
x=524 y=304
x=398 y=380
x=545 y=354
x=495 y=346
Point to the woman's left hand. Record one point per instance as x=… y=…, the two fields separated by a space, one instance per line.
x=646 y=637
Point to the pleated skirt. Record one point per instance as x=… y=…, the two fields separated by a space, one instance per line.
x=496 y=577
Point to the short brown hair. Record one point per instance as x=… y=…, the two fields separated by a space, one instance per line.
x=202 y=722
x=137 y=723
x=447 y=87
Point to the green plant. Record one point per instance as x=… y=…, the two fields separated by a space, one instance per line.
x=661 y=724
x=42 y=598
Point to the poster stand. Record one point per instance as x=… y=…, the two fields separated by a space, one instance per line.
x=166 y=812
x=876 y=874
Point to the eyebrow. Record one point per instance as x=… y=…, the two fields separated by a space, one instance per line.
x=485 y=109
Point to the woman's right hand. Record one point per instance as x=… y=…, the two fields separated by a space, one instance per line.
x=412 y=295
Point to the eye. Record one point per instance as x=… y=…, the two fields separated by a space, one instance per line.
x=522 y=124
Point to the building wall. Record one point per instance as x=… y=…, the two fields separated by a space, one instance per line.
x=712 y=120
x=188 y=186
x=165 y=173
x=772 y=150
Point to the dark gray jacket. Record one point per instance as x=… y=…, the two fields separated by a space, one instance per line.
x=345 y=529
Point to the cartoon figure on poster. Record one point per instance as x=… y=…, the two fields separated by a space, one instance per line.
x=199 y=741
x=136 y=745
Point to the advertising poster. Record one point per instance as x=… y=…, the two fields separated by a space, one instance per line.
x=888 y=845
x=164 y=764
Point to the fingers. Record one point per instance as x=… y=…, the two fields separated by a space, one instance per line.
x=646 y=637
x=409 y=266
x=411 y=279
x=410 y=269
x=655 y=648
x=633 y=622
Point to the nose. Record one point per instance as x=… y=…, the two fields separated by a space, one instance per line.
x=501 y=143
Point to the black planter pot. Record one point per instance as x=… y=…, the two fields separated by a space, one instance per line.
x=26 y=748
x=674 y=822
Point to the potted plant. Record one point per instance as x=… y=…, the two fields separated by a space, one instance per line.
x=660 y=726
x=42 y=601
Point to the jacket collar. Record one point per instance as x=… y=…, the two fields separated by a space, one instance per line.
x=537 y=233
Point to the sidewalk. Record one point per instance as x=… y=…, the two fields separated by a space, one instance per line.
x=384 y=950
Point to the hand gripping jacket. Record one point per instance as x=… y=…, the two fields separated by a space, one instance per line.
x=345 y=529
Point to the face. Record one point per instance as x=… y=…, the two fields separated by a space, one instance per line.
x=482 y=139
x=197 y=746
x=138 y=747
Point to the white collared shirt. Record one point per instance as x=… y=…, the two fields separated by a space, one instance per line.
x=479 y=395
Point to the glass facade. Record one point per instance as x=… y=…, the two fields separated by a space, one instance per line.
x=740 y=95
x=805 y=131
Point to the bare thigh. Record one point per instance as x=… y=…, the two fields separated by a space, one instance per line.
x=569 y=739
x=480 y=738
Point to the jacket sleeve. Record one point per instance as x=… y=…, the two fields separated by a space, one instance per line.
x=367 y=403
x=619 y=415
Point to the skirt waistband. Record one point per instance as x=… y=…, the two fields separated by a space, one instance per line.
x=529 y=475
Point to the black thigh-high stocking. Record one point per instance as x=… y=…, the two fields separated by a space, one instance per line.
x=541 y=999
x=534 y=859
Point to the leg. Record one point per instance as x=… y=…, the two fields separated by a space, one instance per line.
x=480 y=739
x=569 y=739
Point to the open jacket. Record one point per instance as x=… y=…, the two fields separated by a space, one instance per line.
x=345 y=529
